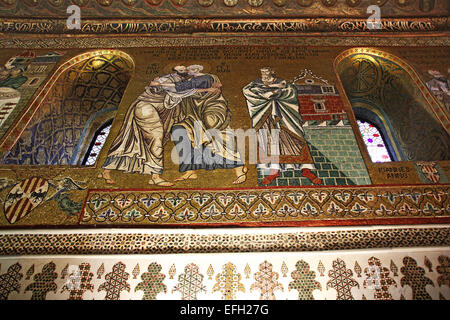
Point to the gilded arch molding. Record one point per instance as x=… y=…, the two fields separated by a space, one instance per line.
x=434 y=105
x=16 y=130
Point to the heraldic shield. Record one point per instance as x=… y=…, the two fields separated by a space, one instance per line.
x=24 y=197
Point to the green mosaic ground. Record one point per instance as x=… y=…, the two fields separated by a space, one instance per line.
x=336 y=156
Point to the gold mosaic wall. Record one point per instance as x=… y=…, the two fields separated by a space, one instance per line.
x=66 y=191
x=88 y=84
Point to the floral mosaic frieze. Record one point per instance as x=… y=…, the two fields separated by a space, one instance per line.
x=397 y=275
x=259 y=205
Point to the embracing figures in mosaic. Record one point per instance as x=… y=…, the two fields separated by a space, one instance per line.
x=187 y=104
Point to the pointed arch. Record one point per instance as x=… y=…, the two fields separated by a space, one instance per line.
x=50 y=130
x=387 y=86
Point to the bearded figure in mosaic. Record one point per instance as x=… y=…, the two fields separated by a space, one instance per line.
x=439 y=86
x=191 y=100
x=203 y=137
x=139 y=145
x=274 y=111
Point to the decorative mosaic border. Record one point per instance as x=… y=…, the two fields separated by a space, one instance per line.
x=399 y=274
x=196 y=25
x=42 y=41
x=214 y=8
x=263 y=205
x=186 y=241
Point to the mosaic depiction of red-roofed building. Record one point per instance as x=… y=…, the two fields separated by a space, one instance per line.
x=319 y=100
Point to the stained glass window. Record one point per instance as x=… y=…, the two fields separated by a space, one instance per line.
x=97 y=144
x=376 y=146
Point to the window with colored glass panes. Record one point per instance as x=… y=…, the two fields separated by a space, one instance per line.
x=100 y=139
x=376 y=146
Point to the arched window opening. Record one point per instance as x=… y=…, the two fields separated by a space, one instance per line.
x=376 y=145
x=97 y=143
x=66 y=119
x=376 y=130
x=407 y=117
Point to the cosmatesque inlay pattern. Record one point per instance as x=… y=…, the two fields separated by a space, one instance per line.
x=208 y=40
x=241 y=240
x=380 y=275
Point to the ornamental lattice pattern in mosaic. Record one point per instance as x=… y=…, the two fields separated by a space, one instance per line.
x=146 y=243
